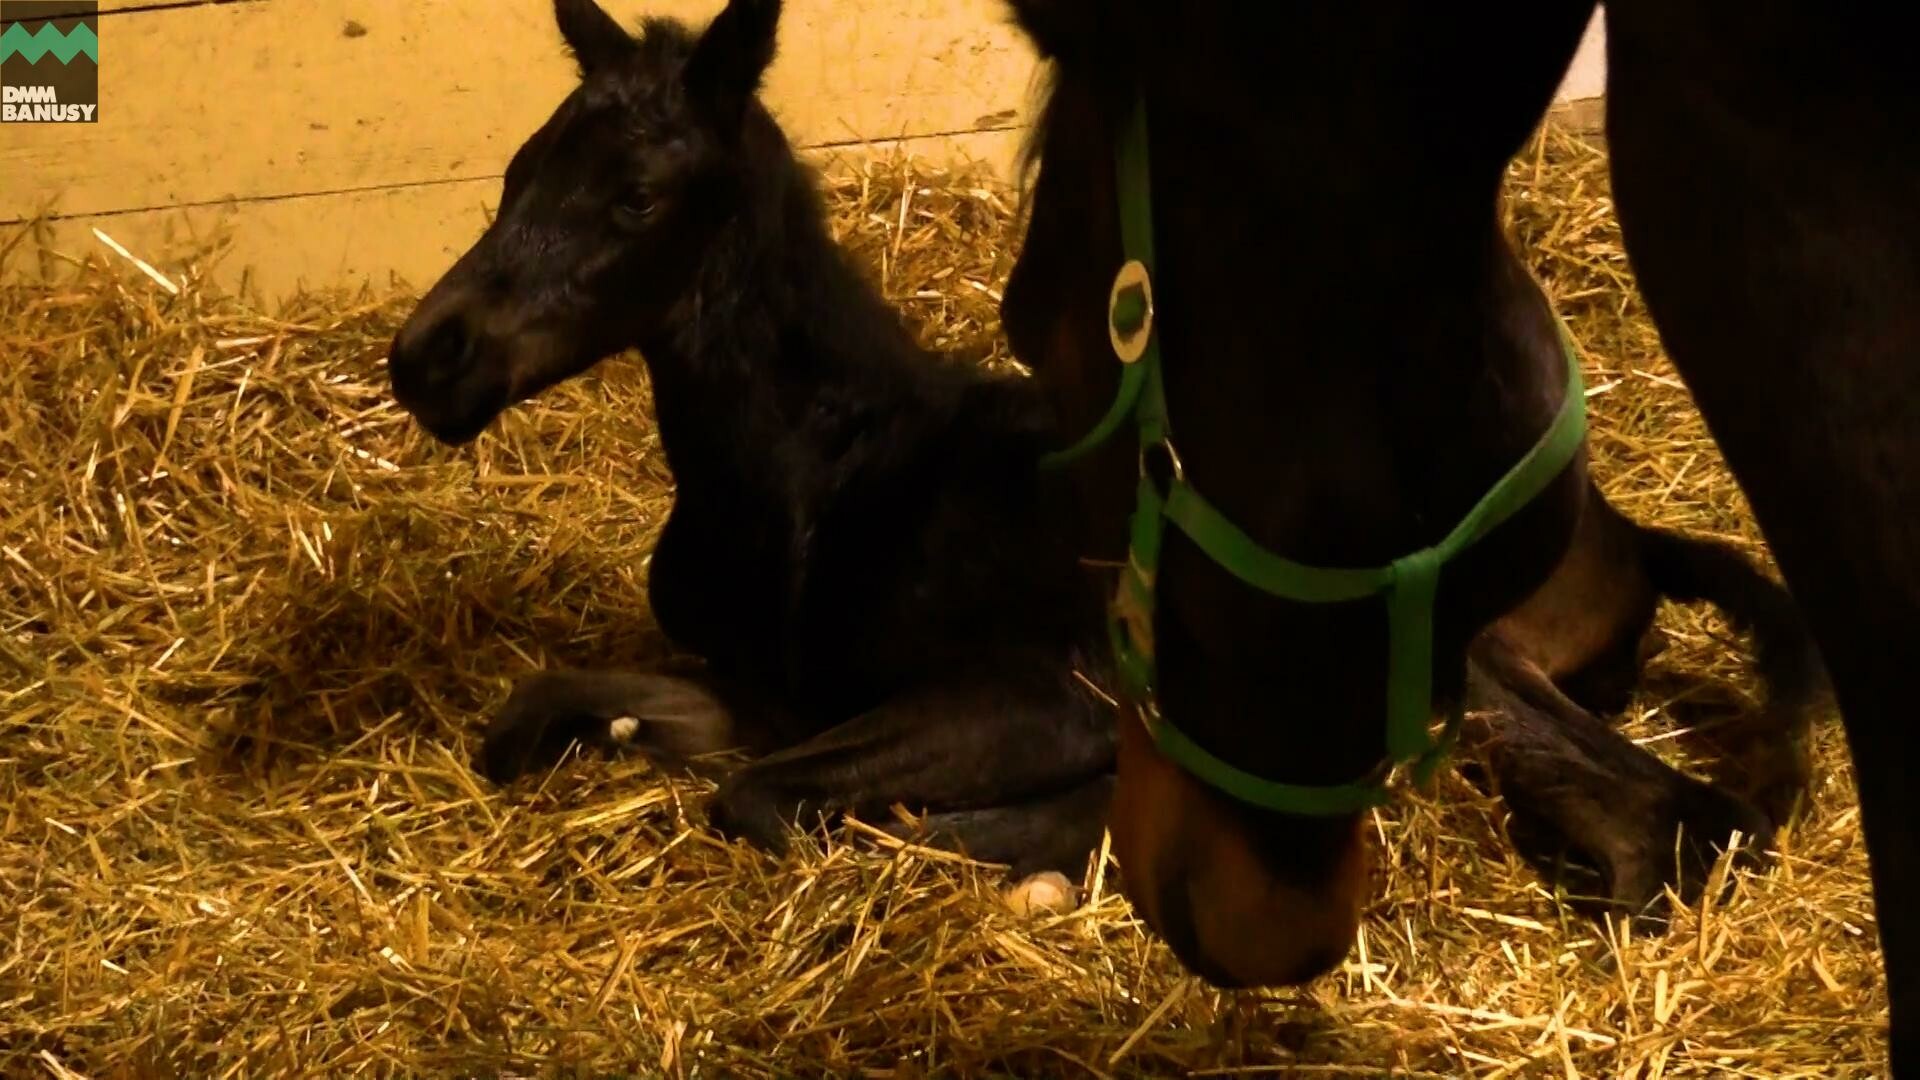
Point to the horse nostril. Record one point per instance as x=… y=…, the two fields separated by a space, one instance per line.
x=445 y=352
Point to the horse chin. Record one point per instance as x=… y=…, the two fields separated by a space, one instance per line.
x=1195 y=871
x=457 y=432
x=457 y=416
x=516 y=371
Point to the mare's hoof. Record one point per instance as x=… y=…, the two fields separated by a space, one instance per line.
x=1048 y=893
x=1777 y=777
x=1701 y=824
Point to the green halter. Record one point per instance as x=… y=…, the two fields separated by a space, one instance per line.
x=1408 y=584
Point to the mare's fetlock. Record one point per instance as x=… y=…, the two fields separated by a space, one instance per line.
x=1707 y=819
x=1776 y=774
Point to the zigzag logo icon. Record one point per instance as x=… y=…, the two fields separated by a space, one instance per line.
x=48 y=39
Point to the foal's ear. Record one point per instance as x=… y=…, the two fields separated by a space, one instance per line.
x=597 y=39
x=732 y=54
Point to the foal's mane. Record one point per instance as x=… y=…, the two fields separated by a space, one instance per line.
x=664 y=39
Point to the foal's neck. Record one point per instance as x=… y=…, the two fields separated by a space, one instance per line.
x=777 y=302
x=778 y=334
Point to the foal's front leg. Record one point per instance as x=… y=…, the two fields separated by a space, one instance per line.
x=1052 y=834
x=1009 y=769
x=665 y=716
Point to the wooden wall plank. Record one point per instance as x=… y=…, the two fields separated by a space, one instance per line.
x=345 y=140
x=236 y=101
x=413 y=232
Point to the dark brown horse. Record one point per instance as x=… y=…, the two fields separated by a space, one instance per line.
x=1343 y=405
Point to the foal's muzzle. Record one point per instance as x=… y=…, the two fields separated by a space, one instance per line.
x=448 y=373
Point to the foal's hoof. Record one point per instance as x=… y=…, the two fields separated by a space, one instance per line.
x=530 y=731
x=547 y=712
x=668 y=718
x=1049 y=893
x=742 y=809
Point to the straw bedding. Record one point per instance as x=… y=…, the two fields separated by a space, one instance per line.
x=249 y=621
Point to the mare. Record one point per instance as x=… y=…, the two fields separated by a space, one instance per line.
x=881 y=582
x=1344 y=404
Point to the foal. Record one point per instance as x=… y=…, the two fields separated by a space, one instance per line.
x=862 y=546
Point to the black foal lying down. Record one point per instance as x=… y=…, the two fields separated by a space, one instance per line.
x=861 y=548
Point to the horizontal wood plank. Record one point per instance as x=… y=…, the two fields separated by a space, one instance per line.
x=117 y=7
x=121 y=7
x=411 y=232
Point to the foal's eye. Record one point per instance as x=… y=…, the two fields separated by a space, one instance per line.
x=633 y=209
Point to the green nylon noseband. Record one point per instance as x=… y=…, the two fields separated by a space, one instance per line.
x=1408 y=584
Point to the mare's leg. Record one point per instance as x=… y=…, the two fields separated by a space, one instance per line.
x=1769 y=753
x=666 y=716
x=1570 y=779
x=1767 y=175
x=1585 y=625
x=968 y=751
x=1587 y=628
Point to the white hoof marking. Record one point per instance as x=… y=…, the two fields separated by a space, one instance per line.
x=1043 y=894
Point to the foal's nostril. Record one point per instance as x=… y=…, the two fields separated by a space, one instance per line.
x=447 y=373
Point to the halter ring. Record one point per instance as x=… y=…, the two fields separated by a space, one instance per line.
x=1165 y=446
